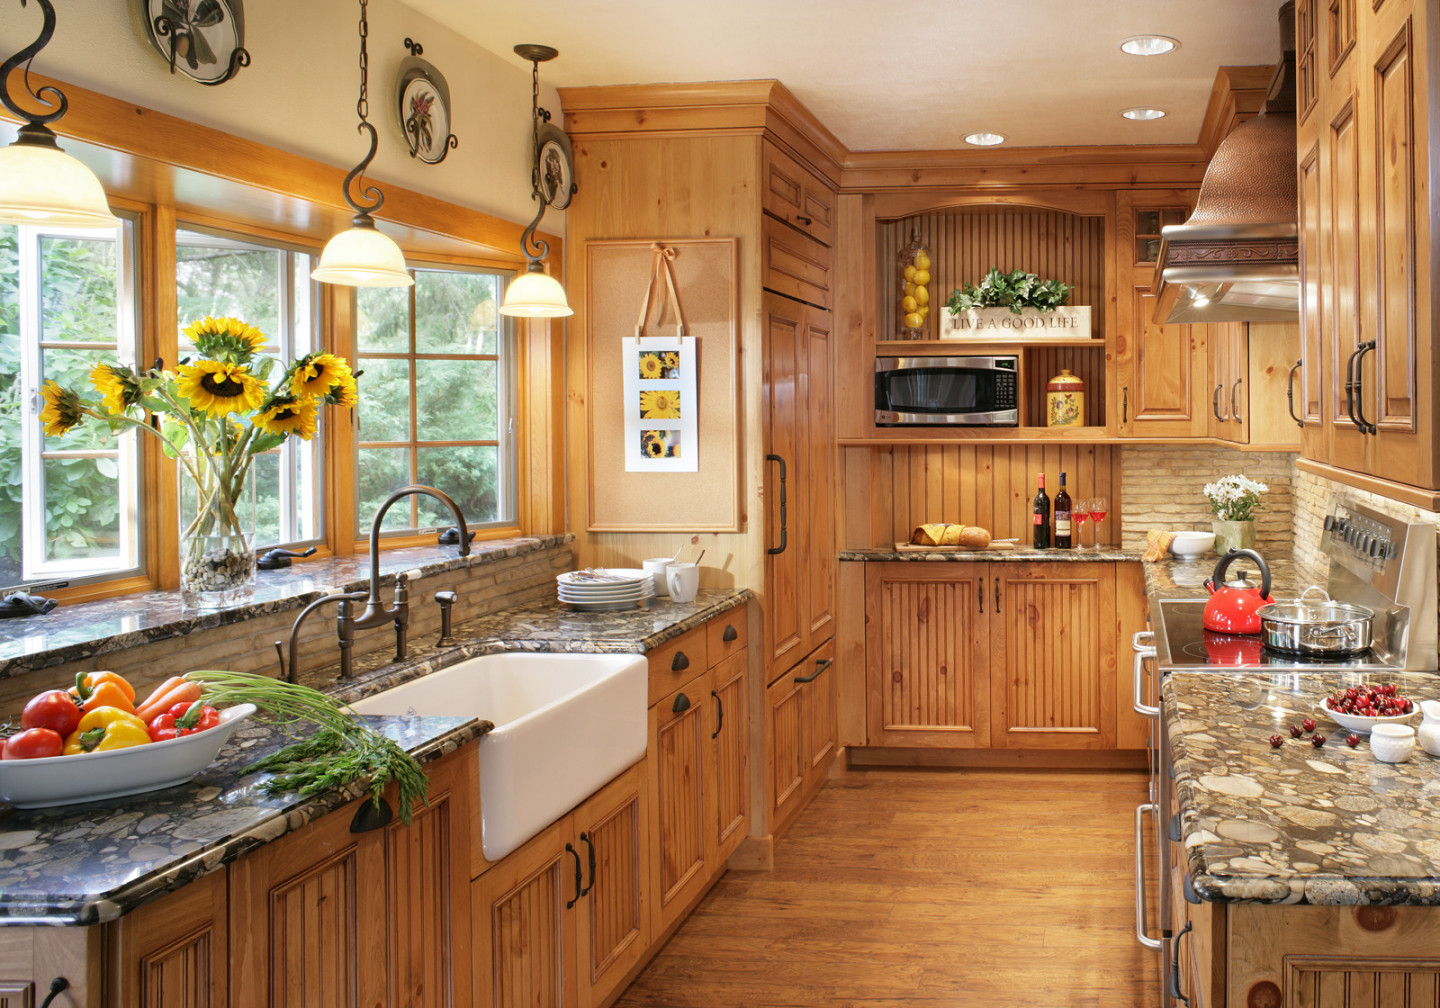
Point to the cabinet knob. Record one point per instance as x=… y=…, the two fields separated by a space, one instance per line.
x=680 y=662
x=682 y=703
x=730 y=633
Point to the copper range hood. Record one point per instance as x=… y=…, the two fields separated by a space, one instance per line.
x=1237 y=258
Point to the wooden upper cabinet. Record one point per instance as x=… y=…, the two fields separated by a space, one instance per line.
x=794 y=264
x=796 y=195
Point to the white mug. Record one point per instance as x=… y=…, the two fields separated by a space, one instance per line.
x=683 y=580
x=656 y=567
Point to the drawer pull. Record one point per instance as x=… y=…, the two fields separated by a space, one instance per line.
x=680 y=662
x=682 y=703
x=730 y=633
x=369 y=816
x=57 y=985
x=821 y=665
x=1174 y=990
x=803 y=220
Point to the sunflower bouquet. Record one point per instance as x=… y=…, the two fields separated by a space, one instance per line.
x=213 y=413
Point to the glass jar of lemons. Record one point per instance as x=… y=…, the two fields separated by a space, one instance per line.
x=913 y=301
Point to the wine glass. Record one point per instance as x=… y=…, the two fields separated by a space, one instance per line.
x=1099 y=508
x=1078 y=517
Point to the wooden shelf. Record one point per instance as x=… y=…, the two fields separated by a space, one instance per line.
x=970 y=435
x=895 y=347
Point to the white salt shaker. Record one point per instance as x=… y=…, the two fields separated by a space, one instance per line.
x=1392 y=743
x=1429 y=733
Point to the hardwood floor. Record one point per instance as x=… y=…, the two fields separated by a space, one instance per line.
x=898 y=887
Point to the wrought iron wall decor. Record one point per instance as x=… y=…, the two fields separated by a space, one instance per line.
x=202 y=39
x=423 y=103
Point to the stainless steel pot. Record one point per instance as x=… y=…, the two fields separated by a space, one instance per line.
x=1316 y=629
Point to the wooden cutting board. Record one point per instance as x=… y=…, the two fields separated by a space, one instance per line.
x=905 y=547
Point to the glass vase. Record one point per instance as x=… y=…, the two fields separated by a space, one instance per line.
x=1232 y=535
x=217 y=531
x=913 y=288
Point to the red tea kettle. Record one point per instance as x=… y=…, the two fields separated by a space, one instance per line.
x=1233 y=608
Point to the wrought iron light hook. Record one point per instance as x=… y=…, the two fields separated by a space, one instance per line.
x=536 y=54
x=34 y=131
x=368 y=198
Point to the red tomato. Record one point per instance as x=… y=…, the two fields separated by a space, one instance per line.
x=33 y=743
x=54 y=709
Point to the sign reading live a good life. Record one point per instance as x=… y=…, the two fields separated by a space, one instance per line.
x=1002 y=323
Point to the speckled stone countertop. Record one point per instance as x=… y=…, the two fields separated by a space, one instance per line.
x=1180 y=579
x=89 y=863
x=92 y=862
x=83 y=630
x=993 y=555
x=1298 y=824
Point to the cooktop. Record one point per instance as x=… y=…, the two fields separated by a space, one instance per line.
x=1182 y=642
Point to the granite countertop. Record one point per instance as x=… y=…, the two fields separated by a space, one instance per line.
x=92 y=862
x=993 y=555
x=84 y=630
x=1298 y=824
x=1180 y=579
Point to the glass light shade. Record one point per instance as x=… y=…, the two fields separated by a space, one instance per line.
x=41 y=184
x=535 y=294
x=362 y=257
x=985 y=139
x=1142 y=114
x=1149 y=45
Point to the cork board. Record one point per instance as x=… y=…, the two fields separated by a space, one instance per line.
x=617 y=274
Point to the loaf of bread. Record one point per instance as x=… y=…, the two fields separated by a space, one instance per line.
x=950 y=534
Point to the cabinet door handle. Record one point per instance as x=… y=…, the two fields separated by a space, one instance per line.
x=821 y=665
x=980 y=593
x=1234 y=409
x=1290 y=394
x=730 y=633
x=1174 y=991
x=57 y=986
x=681 y=704
x=772 y=550
x=589 y=843
x=1215 y=402
x=1350 y=388
x=803 y=220
x=576 y=855
x=1125 y=404
x=997 y=594
x=1366 y=427
x=719 y=714
x=680 y=662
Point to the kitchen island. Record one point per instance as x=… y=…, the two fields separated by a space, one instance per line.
x=1299 y=875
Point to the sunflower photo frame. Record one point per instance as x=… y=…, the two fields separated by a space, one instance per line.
x=661 y=432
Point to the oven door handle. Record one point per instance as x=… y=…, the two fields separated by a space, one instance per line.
x=1142 y=652
x=1141 y=811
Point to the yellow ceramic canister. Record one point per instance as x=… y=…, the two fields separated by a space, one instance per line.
x=1065 y=400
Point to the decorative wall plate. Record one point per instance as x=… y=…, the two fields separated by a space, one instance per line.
x=554 y=166
x=203 y=39
x=423 y=104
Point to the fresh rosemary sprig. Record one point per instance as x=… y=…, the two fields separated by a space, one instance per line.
x=344 y=749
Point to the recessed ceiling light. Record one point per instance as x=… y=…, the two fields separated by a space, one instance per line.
x=985 y=139
x=1143 y=113
x=1149 y=45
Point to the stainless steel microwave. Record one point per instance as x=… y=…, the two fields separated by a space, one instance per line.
x=946 y=391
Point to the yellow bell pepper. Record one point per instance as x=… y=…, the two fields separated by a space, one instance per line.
x=106 y=728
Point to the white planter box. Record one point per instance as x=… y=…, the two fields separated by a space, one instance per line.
x=993 y=324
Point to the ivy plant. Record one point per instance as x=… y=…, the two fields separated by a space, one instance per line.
x=1016 y=291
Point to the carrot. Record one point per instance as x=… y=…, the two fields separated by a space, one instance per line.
x=182 y=692
x=160 y=691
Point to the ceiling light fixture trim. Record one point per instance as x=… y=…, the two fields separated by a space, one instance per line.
x=984 y=139
x=1149 y=45
x=1143 y=113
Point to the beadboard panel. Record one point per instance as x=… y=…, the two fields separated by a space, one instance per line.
x=890 y=490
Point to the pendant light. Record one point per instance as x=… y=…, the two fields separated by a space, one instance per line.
x=362 y=256
x=535 y=293
x=40 y=183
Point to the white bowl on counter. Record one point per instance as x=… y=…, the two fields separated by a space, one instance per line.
x=1356 y=723
x=63 y=780
x=1191 y=545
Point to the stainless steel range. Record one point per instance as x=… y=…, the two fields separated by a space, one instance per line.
x=1374 y=560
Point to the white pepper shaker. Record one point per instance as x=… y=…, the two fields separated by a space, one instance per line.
x=1392 y=743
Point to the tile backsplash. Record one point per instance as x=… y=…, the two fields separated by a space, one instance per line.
x=1162 y=487
x=1314 y=496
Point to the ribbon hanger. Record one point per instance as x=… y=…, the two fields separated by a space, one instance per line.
x=660 y=265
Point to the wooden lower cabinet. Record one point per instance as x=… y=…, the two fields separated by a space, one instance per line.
x=548 y=928
x=680 y=727
x=1017 y=655
x=173 y=953
x=800 y=726
x=730 y=753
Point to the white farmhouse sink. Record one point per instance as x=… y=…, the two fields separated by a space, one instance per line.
x=564 y=725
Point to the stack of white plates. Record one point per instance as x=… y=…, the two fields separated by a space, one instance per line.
x=602 y=589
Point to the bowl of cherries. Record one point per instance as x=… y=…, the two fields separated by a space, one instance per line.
x=1361 y=708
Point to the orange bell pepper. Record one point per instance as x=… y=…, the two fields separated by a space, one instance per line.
x=103 y=689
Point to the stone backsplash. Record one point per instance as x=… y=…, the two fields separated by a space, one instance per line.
x=1162 y=487
x=1314 y=496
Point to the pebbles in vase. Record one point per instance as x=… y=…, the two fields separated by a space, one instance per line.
x=218 y=568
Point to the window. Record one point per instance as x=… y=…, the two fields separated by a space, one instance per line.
x=69 y=507
x=436 y=400
x=268 y=286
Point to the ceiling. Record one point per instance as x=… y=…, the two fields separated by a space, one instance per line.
x=905 y=77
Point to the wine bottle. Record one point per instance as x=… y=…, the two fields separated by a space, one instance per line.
x=1062 y=516
x=1040 y=516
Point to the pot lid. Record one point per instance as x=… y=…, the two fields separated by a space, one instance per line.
x=1311 y=613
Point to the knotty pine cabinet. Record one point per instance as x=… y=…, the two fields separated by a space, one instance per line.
x=1251 y=367
x=801 y=729
x=563 y=920
x=1014 y=655
x=1366 y=147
